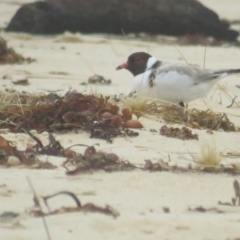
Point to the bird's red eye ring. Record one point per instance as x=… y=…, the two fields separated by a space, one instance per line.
x=138 y=59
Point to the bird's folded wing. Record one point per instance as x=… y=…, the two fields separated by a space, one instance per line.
x=196 y=74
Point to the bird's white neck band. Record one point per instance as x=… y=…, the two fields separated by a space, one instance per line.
x=151 y=61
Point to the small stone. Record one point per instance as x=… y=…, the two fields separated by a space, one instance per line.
x=13 y=161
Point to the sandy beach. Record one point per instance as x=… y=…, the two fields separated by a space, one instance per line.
x=65 y=61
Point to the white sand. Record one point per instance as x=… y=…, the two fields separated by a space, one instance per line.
x=138 y=196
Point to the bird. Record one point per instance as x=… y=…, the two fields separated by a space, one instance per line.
x=176 y=83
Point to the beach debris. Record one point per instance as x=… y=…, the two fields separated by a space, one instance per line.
x=236 y=187
x=97 y=79
x=13 y=161
x=116 y=121
x=126 y=114
x=210 y=132
x=104 y=129
x=235 y=200
x=167 y=165
x=136 y=105
x=204 y=210
x=8 y=217
x=210 y=120
x=6 y=150
x=170 y=113
x=93 y=160
x=54 y=147
x=199 y=119
x=181 y=133
x=166 y=209
x=54 y=112
x=153 y=130
x=11 y=156
x=107 y=115
x=210 y=159
x=232 y=103
x=149 y=165
x=233 y=154
x=90 y=160
x=23 y=82
x=133 y=124
x=86 y=208
x=59 y=73
x=9 y=56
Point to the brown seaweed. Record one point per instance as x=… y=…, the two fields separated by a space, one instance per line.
x=88 y=207
x=52 y=112
x=9 y=56
x=93 y=160
x=181 y=133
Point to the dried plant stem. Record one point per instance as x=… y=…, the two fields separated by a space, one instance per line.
x=226 y=93
x=205 y=53
x=38 y=204
x=126 y=39
x=181 y=55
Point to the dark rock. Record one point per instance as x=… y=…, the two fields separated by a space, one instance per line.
x=40 y=18
x=170 y=17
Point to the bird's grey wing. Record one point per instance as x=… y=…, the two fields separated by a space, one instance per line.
x=196 y=74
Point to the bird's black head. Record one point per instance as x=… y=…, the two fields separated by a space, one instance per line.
x=136 y=63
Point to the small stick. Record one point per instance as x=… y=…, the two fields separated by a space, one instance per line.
x=88 y=65
x=126 y=39
x=181 y=55
x=148 y=44
x=205 y=53
x=38 y=204
x=226 y=93
x=34 y=138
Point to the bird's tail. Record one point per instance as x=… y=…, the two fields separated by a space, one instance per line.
x=229 y=71
x=221 y=74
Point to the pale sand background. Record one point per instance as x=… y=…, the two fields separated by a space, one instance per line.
x=138 y=196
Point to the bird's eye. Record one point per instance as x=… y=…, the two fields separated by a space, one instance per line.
x=138 y=59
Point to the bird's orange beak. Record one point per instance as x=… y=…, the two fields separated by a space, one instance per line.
x=124 y=65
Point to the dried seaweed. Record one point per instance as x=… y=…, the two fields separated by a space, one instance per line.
x=8 y=217
x=204 y=210
x=9 y=56
x=175 y=112
x=97 y=79
x=191 y=117
x=209 y=120
x=88 y=207
x=7 y=150
x=166 y=166
x=149 y=165
x=23 y=82
x=166 y=209
x=161 y=165
x=93 y=160
x=54 y=147
x=28 y=157
x=53 y=112
x=181 y=133
x=104 y=130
